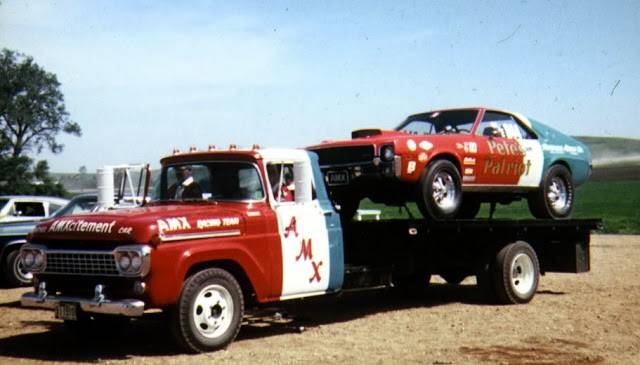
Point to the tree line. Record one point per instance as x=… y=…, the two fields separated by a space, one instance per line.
x=32 y=115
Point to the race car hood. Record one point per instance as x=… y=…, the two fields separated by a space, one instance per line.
x=151 y=224
x=363 y=136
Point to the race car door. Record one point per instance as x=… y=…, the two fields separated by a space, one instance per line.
x=302 y=228
x=510 y=155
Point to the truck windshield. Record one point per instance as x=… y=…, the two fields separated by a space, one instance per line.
x=451 y=121
x=210 y=181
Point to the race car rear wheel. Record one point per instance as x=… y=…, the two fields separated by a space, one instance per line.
x=440 y=194
x=554 y=198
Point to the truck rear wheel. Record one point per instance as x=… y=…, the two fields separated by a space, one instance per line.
x=516 y=273
x=209 y=311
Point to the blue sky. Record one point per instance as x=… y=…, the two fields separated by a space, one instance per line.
x=144 y=77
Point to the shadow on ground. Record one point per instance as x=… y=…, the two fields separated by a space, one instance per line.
x=151 y=336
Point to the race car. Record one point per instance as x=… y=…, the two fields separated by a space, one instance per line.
x=450 y=161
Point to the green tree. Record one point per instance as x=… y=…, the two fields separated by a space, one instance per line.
x=32 y=115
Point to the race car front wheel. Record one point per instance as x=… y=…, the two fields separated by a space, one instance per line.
x=440 y=194
x=554 y=198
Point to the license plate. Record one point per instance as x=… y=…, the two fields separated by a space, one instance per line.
x=67 y=311
x=338 y=178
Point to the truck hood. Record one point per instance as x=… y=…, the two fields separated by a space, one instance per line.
x=151 y=224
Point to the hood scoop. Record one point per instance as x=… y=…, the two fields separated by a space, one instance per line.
x=363 y=133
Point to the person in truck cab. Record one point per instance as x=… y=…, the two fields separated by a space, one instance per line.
x=186 y=187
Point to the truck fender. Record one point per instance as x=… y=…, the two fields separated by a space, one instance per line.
x=165 y=285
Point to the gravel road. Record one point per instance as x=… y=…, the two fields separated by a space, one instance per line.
x=591 y=318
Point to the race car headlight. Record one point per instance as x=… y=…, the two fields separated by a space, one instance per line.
x=133 y=260
x=387 y=153
x=33 y=257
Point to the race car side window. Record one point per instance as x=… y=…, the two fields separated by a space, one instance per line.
x=502 y=125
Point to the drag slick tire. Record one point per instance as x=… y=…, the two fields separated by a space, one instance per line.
x=209 y=311
x=554 y=198
x=440 y=193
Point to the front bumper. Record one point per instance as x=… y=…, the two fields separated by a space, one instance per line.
x=99 y=304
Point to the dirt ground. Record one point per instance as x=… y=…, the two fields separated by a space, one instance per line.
x=591 y=318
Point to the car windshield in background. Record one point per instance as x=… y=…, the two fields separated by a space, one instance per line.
x=78 y=205
x=452 y=121
x=211 y=181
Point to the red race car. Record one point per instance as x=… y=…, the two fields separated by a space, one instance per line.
x=450 y=161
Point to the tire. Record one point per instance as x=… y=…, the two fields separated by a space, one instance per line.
x=453 y=277
x=555 y=196
x=209 y=311
x=440 y=193
x=469 y=209
x=516 y=273
x=14 y=272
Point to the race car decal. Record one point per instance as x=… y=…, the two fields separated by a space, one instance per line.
x=411 y=145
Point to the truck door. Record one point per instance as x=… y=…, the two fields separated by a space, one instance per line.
x=302 y=228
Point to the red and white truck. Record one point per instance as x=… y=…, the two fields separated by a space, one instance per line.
x=230 y=230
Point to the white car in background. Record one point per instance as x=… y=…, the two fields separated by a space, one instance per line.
x=18 y=208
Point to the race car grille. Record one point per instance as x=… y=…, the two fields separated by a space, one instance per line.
x=345 y=155
x=81 y=263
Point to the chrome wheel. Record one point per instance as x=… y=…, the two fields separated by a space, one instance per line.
x=557 y=194
x=523 y=273
x=213 y=311
x=444 y=191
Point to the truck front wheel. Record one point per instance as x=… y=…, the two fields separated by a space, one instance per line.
x=209 y=311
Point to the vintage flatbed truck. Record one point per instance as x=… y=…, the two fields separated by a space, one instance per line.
x=235 y=229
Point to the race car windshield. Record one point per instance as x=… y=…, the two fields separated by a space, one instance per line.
x=205 y=181
x=445 y=122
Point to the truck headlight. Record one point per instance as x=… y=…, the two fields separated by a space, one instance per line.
x=387 y=153
x=133 y=260
x=33 y=257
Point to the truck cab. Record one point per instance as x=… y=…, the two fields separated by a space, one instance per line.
x=260 y=218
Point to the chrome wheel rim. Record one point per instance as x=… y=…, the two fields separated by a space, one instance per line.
x=444 y=191
x=522 y=275
x=557 y=194
x=213 y=311
x=21 y=273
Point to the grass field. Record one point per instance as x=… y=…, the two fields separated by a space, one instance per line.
x=616 y=202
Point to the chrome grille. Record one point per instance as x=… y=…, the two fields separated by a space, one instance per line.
x=81 y=263
x=344 y=155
